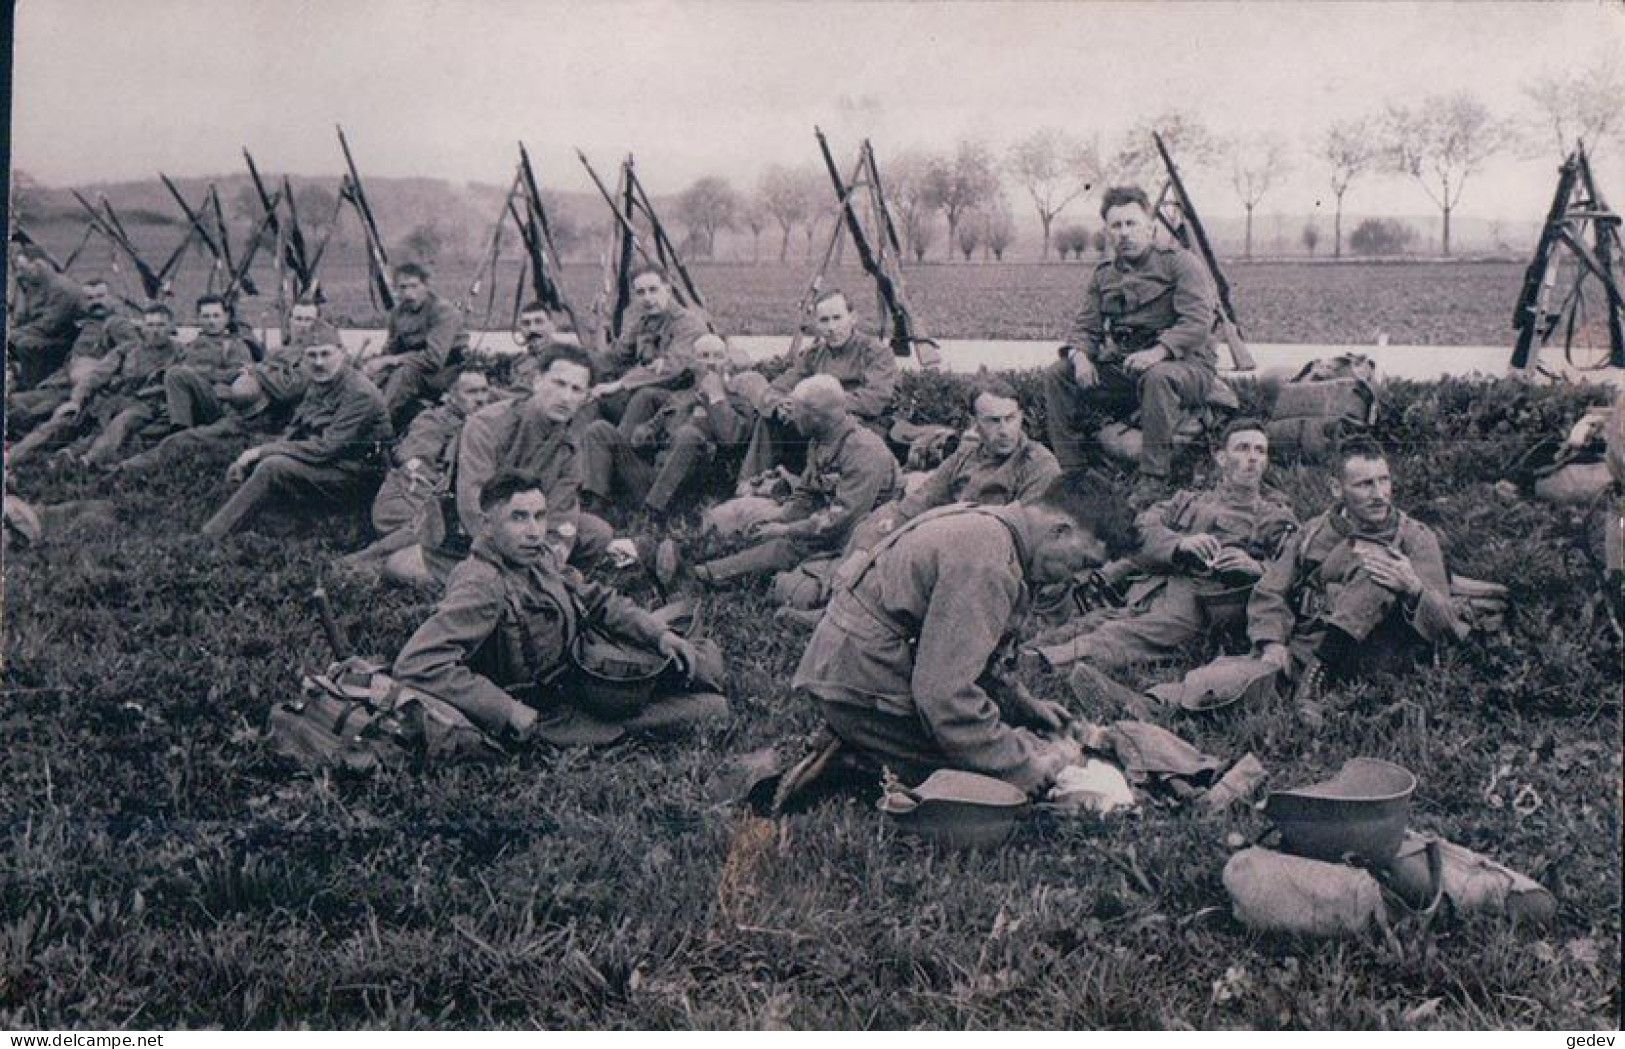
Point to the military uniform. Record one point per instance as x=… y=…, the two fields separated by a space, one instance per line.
x=654 y=355
x=99 y=338
x=208 y=364
x=432 y=338
x=132 y=395
x=281 y=376
x=1164 y=299
x=1318 y=601
x=46 y=327
x=686 y=431
x=1180 y=599
x=901 y=663
x=330 y=452
x=509 y=435
x=504 y=630
x=848 y=473
x=866 y=369
x=431 y=440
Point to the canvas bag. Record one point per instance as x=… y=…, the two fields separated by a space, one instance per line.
x=1322 y=404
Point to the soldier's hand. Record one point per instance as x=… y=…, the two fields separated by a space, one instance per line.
x=241 y=465
x=1202 y=546
x=1392 y=570
x=604 y=389
x=1143 y=359
x=1083 y=370
x=1277 y=656
x=1231 y=559
x=679 y=650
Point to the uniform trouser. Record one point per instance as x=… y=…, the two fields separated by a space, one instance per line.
x=191 y=398
x=286 y=481
x=216 y=437
x=396 y=506
x=35 y=359
x=32 y=407
x=48 y=432
x=117 y=430
x=1170 y=620
x=1159 y=393
x=1362 y=630
x=895 y=741
x=411 y=383
x=607 y=454
x=779 y=554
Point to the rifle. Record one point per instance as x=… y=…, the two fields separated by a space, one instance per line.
x=628 y=242
x=664 y=246
x=537 y=233
x=292 y=245
x=225 y=241
x=240 y=275
x=19 y=235
x=330 y=625
x=195 y=220
x=1240 y=356
x=109 y=226
x=804 y=308
x=377 y=258
x=902 y=325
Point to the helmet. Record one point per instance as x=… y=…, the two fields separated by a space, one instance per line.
x=1359 y=812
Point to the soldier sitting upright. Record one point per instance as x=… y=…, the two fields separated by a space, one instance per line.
x=1363 y=586
x=47 y=321
x=1141 y=342
x=1200 y=551
x=426 y=337
x=654 y=355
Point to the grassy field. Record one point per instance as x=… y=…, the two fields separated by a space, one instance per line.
x=160 y=868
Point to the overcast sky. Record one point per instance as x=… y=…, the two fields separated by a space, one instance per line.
x=115 y=89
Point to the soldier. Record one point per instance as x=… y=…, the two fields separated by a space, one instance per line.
x=197 y=390
x=905 y=665
x=689 y=428
x=509 y=620
x=48 y=322
x=330 y=452
x=53 y=407
x=1202 y=552
x=1142 y=341
x=426 y=336
x=422 y=467
x=849 y=471
x=280 y=379
x=866 y=368
x=1363 y=586
x=132 y=397
x=654 y=354
x=996 y=464
x=531 y=435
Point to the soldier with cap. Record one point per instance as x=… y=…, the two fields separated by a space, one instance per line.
x=280 y=380
x=1141 y=342
x=426 y=337
x=1200 y=554
x=907 y=665
x=503 y=634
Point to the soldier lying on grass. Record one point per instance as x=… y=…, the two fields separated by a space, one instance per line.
x=500 y=639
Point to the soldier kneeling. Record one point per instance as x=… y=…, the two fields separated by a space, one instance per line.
x=499 y=645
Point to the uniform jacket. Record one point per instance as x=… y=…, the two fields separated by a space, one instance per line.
x=848 y=473
x=1164 y=299
x=509 y=435
x=431 y=334
x=218 y=357
x=136 y=369
x=432 y=440
x=650 y=337
x=96 y=351
x=503 y=625
x=972 y=474
x=51 y=309
x=725 y=422
x=1320 y=560
x=914 y=634
x=1257 y=524
x=341 y=423
x=865 y=366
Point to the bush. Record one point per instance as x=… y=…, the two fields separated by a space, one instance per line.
x=1381 y=237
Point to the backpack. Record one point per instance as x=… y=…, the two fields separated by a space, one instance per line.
x=1326 y=401
x=356 y=718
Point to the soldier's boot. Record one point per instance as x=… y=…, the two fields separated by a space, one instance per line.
x=1309 y=696
x=798 y=618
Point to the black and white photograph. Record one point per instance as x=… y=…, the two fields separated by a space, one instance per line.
x=673 y=515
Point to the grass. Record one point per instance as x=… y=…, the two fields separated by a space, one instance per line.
x=160 y=868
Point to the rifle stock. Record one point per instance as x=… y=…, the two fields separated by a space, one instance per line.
x=377 y=257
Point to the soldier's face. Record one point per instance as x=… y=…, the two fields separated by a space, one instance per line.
x=1063 y=548
x=998 y=423
x=212 y=318
x=1366 y=490
x=98 y=299
x=1244 y=457
x=560 y=391
x=711 y=353
x=323 y=362
x=1130 y=230
x=518 y=527
x=535 y=325
x=302 y=319
x=651 y=292
x=834 y=318
x=411 y=290
x=470 y=393
x=154 y=328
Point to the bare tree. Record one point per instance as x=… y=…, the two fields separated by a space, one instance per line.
x=754 y=217
x=914 y=185
x=1134 y=158
x=787 y=194
x=1350 y=147
x=1579 y=105
x=1257 y=163
x=707 y=206
x=969 y=235
x=971 y=178
x=1442 y=142
x=1311 y=237
x=999 y=227
x=1054 y=168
